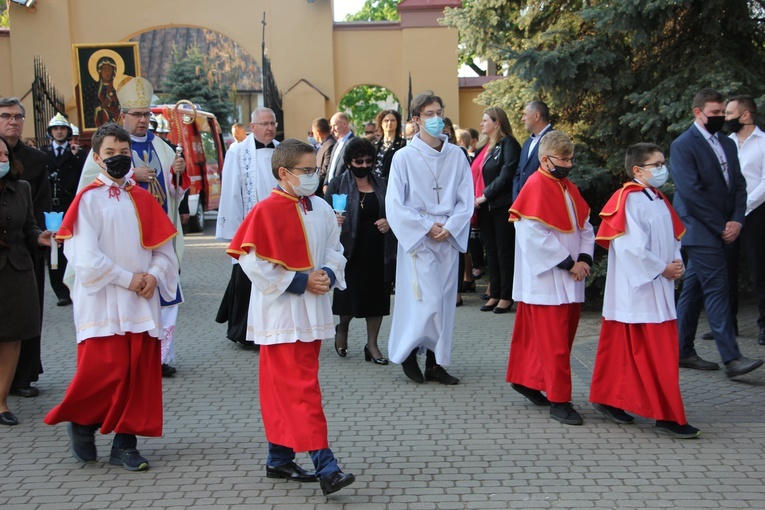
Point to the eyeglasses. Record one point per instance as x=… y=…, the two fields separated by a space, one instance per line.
x=655 y=166
x=362 y=162
x=139 y=115
x=431 y=114
x=266 y=124
x=307 y=170
x=15 y=116
x=565 y=160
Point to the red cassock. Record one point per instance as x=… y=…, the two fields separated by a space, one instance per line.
x=290 y=395
x=118 y=381
x=636 y=370
x=118 y=385
x=540 y=351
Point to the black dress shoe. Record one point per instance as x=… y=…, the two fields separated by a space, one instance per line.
x=9 y=419
x=412 y=369
x=335 y=482
x=676 y=430
x=168 y=371
x=708 y=336
x=499 y=309
x=614 y=414
x=485 y=297
x=741 y=366
x=565 y=413
x=761 y=337
x=535 y=396
x=439 y=374
x=488 y=308
x=64 y=302
x=29 y=391
x=695 y=362
x=377 y=361
x=292 y=472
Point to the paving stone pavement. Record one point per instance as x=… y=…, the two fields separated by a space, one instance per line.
x=476 y=445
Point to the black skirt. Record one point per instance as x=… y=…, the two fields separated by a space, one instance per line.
x=19 y=307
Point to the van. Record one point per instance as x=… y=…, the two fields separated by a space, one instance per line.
x=203 y=149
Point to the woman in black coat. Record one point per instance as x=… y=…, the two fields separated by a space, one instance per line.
x=19 y=235
x=389 y=124
x=369 y=247
x=501 y=154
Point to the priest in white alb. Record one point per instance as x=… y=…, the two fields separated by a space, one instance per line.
x=247 y=179
x=429 y=205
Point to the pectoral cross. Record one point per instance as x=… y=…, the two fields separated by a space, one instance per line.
x=438 y=189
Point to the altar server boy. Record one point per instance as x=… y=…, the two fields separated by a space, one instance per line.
x=553 y=254
x=636 y=365
x=117 y=239
x=289 y=247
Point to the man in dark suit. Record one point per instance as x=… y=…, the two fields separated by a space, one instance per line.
x=536 y=119
x=710 y=198
x=321 y=132
x=35 y=172
x=65 y=162
x=341 y=130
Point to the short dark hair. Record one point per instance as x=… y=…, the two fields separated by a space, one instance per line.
x=705 y=96
x=105 y=131
x=16 y=168
x=746 y=102
x=473 y=133
x=358 y=147
x=422 y=100
x=451 y=135
x=288 y=153
x=385 y=113
x=321 y=125
x=541 y=108
x=638 y=155
x=13 y=101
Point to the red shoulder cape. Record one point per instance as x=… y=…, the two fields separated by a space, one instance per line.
x=614 y=215
x=542 y=198
x=154 y=226
x=274 y=229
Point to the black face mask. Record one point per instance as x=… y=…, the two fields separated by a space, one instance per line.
x=560 y=172
x=714 y=124
x=734 y=125
x=118 y=166
x=360 y=171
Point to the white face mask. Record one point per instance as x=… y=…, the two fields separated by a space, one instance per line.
x=5 y=167
x=659 y=176
x=307 y=186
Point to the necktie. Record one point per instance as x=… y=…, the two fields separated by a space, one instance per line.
x=60 y=151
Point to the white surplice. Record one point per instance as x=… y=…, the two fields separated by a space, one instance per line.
x=538 y=250
x=636 y=293
x=276 y=316
x=104 y=252
x=426 y=270
x=247 y=179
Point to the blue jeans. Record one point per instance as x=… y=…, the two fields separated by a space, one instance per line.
x=323 y=460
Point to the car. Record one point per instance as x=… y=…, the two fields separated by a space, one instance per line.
x=200 y=136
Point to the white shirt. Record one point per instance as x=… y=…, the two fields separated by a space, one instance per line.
x=751 y=156
x=636 y=293
x=336 y=153
x=104 y=252
x=535 y=138
x=714 y=143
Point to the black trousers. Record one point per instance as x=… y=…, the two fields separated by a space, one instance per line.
x=56 y=276
x=29 y=366
x=498 y=237
x=235 y=306
x=753 y=240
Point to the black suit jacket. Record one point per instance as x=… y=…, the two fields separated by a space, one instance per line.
x=64 y=175
x=702 y=199
x=18 y=229
x=499 y=170
x=35 y=172
x=529 y=163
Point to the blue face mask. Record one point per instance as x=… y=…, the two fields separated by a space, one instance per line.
x=5 y=167
x=434 y=126
x=659 y=176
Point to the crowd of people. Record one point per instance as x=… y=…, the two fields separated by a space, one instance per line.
x=334 y=226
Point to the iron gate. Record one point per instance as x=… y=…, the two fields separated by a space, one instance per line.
x=46 y=102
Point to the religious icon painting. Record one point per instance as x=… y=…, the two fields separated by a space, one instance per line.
x=100 y=69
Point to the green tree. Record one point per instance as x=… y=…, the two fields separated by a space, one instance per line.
x=361 y=103
x=4 y=14
x=376 y=10
x=614 y=73
x=192 y=77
